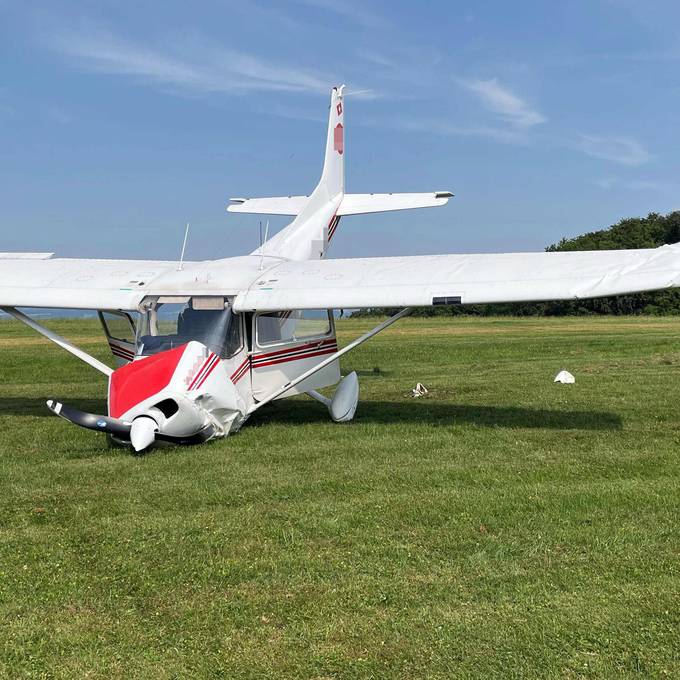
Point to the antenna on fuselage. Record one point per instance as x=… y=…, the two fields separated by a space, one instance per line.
x=184 y=246
x=266 y=234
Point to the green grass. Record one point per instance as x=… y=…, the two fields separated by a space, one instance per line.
x=502 y=526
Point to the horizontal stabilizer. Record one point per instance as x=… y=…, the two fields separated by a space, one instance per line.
x=352 y=204
x=277 y=205
x=358 y=204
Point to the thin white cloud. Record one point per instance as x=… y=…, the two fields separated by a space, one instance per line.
x=506 y=104
x=445 y=128
x=193 y=67
x=293 y=113
x=516 y=116
x=377 y=58
x=609 y=183
x=622 y=150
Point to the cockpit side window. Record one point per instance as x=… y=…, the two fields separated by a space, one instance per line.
x=292 y=326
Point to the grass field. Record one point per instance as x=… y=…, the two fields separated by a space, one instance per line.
x=502 y=526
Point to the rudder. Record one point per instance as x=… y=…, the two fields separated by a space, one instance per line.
x=333 y=175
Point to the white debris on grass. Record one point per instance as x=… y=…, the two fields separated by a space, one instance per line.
x=419 y=391
x=565 y=378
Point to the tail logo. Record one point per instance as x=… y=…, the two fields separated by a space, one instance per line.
x=339 y=139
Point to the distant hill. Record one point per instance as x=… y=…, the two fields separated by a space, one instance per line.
x=637 y=232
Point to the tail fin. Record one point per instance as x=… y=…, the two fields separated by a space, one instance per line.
x=316 y=216
x=307 y=236
x=333 y=175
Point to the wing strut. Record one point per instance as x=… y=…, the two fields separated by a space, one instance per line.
x=330 y=359
x=57 y=339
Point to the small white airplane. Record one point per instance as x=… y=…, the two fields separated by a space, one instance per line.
x=200 y=346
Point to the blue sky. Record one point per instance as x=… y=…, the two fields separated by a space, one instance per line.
x=121 y=121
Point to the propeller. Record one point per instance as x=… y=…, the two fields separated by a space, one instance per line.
x=139 y=432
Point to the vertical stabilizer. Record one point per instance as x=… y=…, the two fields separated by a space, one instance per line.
x=307 y=236
x=333 y=176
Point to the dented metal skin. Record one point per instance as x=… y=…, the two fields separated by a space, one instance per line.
x=189 y=389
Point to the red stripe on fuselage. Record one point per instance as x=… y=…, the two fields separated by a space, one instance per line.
x=333 y=226
x=122 y=350
x=297 y=348
x=121 y=356
x=211 y=368
x=240 y=371
x=293 y=356
x=297 y=357
x=204 y=366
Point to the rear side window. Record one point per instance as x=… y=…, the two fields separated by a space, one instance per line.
x=292 y=326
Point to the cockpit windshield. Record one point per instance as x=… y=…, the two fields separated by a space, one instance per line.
x=168 y=324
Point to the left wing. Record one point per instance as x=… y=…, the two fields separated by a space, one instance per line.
x=36 y=280
x=460 y=279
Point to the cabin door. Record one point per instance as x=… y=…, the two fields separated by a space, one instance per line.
x=288 y=343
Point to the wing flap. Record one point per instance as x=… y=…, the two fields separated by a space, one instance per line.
x=461 y=279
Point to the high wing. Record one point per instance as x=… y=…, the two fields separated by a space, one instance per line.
x=36 y=280
x=460 y=279
x=337 y=284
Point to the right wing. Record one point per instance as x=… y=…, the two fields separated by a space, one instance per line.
x=460 y=279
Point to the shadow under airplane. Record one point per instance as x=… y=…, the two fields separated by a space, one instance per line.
x=423 y=411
